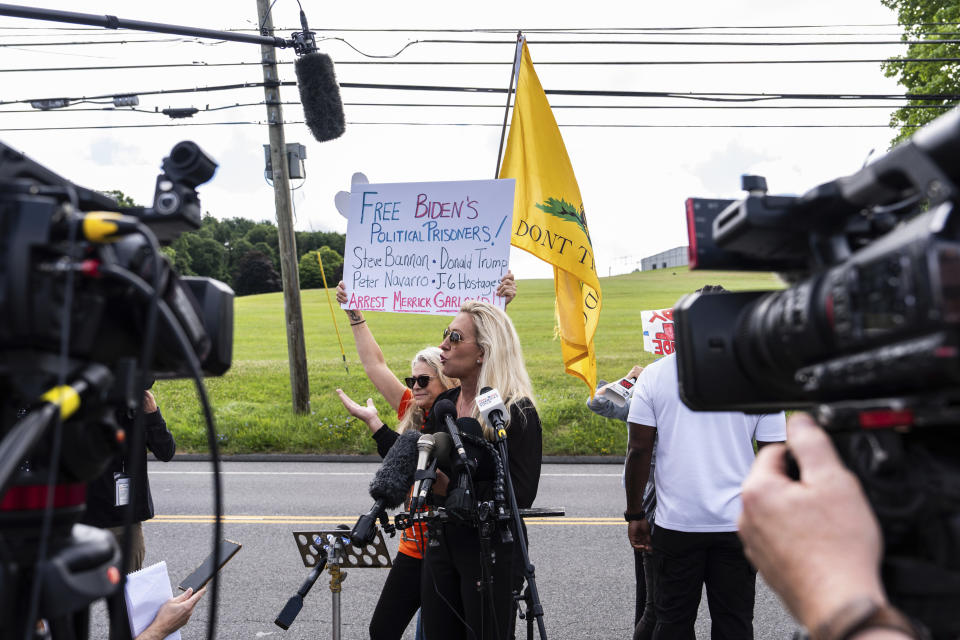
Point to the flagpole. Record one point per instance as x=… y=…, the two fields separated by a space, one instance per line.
x=506 y=111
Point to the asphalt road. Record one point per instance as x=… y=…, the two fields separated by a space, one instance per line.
x=584 y=565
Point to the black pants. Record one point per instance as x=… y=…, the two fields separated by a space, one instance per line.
x=453 y=606
x=399 y=599
x=643 y=630
x=683 y=563
x=640 y=576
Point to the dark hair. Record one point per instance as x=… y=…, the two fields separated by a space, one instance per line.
x=711 y=288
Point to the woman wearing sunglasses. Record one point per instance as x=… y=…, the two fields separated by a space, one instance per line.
x=412 y=399
x=481 y=349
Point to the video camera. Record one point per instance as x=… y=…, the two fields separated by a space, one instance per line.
x=93 y=312
x=867 y=336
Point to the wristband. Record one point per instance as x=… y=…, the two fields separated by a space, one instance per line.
x=634 y=516
x=353 y=324
x=862 y=614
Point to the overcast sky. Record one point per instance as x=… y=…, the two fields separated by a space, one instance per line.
x=634 y=180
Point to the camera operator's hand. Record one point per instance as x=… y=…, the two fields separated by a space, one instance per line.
x=638 y=531
x=816 y=541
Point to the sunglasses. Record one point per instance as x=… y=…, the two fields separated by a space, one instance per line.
x=422 y=380
x=455 y=336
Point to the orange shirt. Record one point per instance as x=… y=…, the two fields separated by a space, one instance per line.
x=412 y=540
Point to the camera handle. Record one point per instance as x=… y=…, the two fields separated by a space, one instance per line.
x=528 y=569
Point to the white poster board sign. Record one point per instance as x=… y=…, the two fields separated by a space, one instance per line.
x=427 y=247
x=658 y=336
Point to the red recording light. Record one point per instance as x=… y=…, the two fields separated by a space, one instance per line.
x=886 y=419
x=34 y=497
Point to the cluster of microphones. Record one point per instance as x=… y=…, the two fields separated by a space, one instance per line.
x=459 y=450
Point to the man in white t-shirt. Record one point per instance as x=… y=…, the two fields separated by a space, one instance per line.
x=702 y=459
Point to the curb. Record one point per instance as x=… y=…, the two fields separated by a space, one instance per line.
x=310 y=457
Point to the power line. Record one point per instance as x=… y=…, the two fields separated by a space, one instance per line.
x=713 y=96
x=464 y=105
x=501 y=63
x=695 y=43
x=468 y=124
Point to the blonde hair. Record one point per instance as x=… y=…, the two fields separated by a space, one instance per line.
x=503 y=367
x=414 y=416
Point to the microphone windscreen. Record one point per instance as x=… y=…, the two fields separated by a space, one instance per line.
x=472 y=433
x=442 y=409
x=394 y=478
x=320 y=96
x=442 y=448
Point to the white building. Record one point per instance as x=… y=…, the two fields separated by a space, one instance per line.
x=676 y=257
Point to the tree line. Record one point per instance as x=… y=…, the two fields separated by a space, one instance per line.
x=246 y=254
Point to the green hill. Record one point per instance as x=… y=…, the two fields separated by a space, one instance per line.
x=252 y=402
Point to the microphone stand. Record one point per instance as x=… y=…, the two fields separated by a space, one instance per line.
x=528 y=568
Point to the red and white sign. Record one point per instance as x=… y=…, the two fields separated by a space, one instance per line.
x=658 y=336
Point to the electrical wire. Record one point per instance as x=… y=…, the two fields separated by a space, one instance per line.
x=469 y=124
x=691 y=95
x=499 y=63
x=464 y=105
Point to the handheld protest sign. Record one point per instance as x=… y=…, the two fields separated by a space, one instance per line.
x=427 y=247
x=658 y=335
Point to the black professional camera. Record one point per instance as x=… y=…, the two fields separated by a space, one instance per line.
x=92 y=313
x=867 y=336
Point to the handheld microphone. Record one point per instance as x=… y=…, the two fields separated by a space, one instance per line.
x=493 y=411
x=446 y=412
x=320 y=96
x=425 y=447
x=441 y=452
x=389 y=485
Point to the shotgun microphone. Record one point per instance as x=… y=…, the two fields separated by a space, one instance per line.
x=320 y=96
x=319 y=90
x=389 y=485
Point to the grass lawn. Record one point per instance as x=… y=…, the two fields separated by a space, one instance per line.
x=252 y=402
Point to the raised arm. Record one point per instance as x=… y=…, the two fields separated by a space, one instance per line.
x=371 y=356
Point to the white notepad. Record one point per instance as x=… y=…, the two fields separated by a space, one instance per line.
x=146 y=591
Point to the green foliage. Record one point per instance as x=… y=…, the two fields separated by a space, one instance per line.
x=924 y=20
x=122 y=199
x=218 y=247
x=252 y=402
x=310 y=274
x=255 y=274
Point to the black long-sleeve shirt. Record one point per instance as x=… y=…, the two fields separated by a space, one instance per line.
x=524 y=446
x=101 y=496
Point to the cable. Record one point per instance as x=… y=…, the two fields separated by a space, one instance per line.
x=142 y=288
x=692 y=95
x=464 y=105
x=45 y=528
x=477 y=124
x=501 y=63
x=71 y=44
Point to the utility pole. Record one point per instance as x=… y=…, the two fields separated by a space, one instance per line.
x=296 y=349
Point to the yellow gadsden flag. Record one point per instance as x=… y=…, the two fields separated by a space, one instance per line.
x=549 y=222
